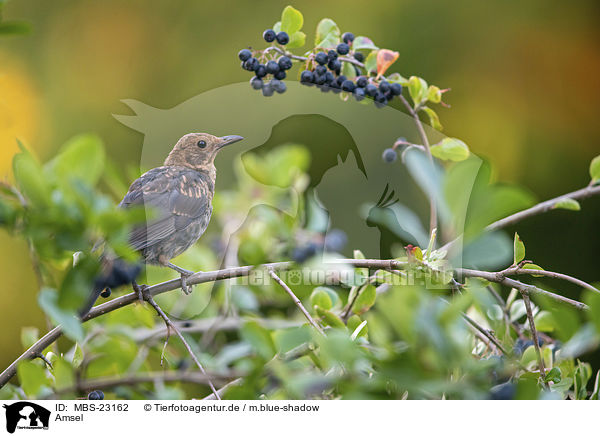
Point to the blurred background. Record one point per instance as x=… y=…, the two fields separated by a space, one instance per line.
x=524 y=79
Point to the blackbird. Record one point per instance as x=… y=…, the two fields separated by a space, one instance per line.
x=179 y=194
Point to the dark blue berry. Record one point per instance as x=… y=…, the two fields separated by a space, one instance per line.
x=359 y=93
x=280 y=75
x=361 y=82
x=384 y=86
x=335 y=240
x=244 y=54
x=96 y=395
x=396 y=89
x=320 y=69
x=343 y=48
x=334 y=65
x=321 y=58
x=307 y=76
x=329 y=77
x=269 y=35
x=320 y=79
x=272 y=67
x=348 y=37
x=256 y=83
x=348 y=86
x=267 y=90
x=370 y=90
x=282 y=38
x=105 y=293
x=251 y=64
x=285 y=63
x=278 y=86
x=389 y=155
x=261 y=71
x=302 y=253
x=359 y=56
x=325 y=88
x=380 y=97
x=332 y=54
x=341 y=79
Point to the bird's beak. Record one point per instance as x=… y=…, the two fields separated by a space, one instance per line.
x=229 y=139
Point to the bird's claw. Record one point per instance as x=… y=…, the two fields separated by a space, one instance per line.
x=140 y=290
x=187 y=290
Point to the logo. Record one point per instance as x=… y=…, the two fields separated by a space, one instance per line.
x=26 y=415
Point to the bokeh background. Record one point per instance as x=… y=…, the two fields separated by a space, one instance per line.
x=524 y=79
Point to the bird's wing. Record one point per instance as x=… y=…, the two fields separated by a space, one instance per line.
x=176 y=197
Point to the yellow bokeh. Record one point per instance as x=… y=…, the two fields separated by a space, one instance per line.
x=19 y=110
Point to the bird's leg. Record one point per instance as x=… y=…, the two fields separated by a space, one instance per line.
x=185 y=273
x=139 y=290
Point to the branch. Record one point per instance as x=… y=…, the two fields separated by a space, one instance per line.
x=543 y=207
x=132 y=380
x=528 y=289
x=170 y=285
x=298 y=303
x=485 y=332
x=171 y=325
x=425 y=140
x=224 y=389
x=534 y=336
x=556 y=275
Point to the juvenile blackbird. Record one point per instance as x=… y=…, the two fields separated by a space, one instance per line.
x=179 y=195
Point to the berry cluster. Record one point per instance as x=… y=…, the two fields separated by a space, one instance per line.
x=381 y=91
x=323 y=69
x=272 y=68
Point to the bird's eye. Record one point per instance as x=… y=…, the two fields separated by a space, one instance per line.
x=201 y=144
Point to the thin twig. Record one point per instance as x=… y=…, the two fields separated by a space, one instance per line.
x=224 y=389
x=484 y=332
x=539 y=208
x=164 y=349
x=534 y=336
x=529 y=289
x=296 y=300
x=425 y=140
x=169 y=323
x=135 y=379
x=556 y=275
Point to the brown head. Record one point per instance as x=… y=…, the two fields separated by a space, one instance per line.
x=198 y=150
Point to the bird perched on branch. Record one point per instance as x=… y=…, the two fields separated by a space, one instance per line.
x=180 y=195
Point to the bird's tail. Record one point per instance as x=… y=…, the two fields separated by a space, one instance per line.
x=115 y=273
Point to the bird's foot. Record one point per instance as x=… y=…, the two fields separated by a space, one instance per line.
x=140 y=290
x=184 y=273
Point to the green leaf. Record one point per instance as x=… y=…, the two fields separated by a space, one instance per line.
x=348 y=70
x=434 y=120
x=70 y=323
x=366 y=299
x=288 y=339
x=592 y=299
x=260 y=339
x=363 y=43
x=330 y=318
x=518 y=249
x=291 y=20
x=397 y=78
x=321 y=298
x=64 y=376
x=32 y=378
x=554 y=375
x=434 y=94
x=77 y=356
x=417 y=89
x=371 y=62
x=14 y=28
x=595 y=392
x=82 y=157
x=533 y=266
x=595 y=169
x=545 y=321
x=328 y=32
x=29 y=178
x=277 y=27
x=450 y=149
x=297 y=39
x=354 y=322
x=567 y=203
x=583 y=373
